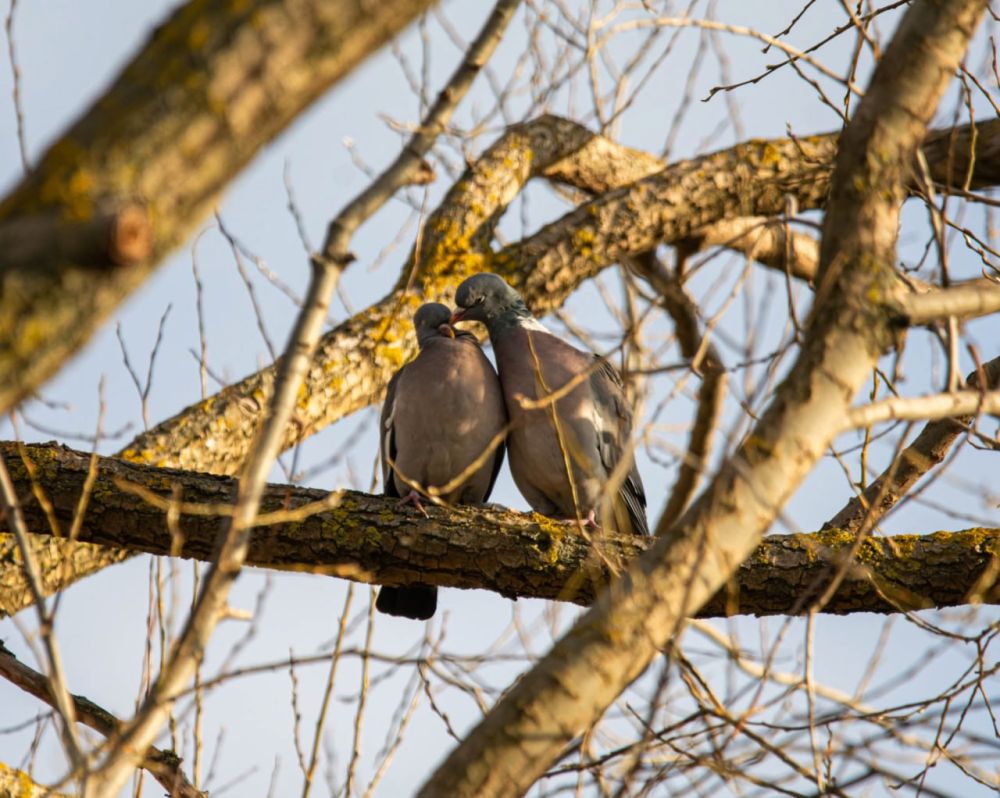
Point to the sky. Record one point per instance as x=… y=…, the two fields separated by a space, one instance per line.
x=68 y=52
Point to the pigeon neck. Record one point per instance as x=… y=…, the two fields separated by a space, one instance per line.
x=517 y=317
x=428 y=338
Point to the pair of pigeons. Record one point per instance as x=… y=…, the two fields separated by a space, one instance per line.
x=446 y=415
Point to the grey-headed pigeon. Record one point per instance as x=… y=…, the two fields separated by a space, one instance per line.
x=563 y=454
x=441 y=413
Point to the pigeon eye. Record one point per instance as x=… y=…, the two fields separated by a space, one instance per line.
x=480 y=300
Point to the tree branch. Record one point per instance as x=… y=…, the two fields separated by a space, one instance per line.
x=637 y=616
x=18 y=784
x=927 y=450
x=165 y=766
x=212 y=81
x=369 y=539
x=967 y=301
x=355 y=360
x=921 y=408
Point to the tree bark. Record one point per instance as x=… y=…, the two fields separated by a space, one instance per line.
x=16 y=783
x=369 y=539
x=211 y=87
x=637 y=616
x=641 y=202
x=356 y=359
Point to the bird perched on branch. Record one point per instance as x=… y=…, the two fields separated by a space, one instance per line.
x=441 y=433
x=570 y=422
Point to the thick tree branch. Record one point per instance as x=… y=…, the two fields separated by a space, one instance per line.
x=231 y=552
x=677 y=203
x=367 y=538
x=355 y=360
x=210 y=88
x=666 y=205
x=636 y=617
x=165 y=766
x=18 y=784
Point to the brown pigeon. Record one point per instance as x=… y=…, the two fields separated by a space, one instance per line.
x=563 y=454
x=441 y=413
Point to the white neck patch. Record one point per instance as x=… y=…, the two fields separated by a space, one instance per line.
x=531 y=323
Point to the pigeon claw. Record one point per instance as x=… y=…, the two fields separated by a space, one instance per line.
x=412 y=498
x=590 y=522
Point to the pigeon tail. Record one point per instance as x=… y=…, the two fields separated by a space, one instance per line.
x=411 y=601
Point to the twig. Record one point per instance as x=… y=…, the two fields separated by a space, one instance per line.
x=15 y=69
x=56 y=679
x=359 y=715
x=409 y=168
x=704 y=359
x=327 y=268
x=165 y=766
x=919 y=408
x=327 y=693
x=927 y=450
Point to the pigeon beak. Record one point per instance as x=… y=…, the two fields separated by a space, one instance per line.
x=446 y=329
x=458 y=315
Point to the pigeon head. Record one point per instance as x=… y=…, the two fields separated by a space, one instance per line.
x=431 y=321
x=487 y=298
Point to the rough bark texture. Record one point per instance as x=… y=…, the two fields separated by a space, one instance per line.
x=16 y=783
x=214 y=84
x=636 y=617
x=356 y=359
x=131 y=178
x=666 y=205
x=367 y=538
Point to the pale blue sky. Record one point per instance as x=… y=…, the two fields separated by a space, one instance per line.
x=69 y=51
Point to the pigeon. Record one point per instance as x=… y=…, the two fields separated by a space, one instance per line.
x=441 y=414
x=563 y=454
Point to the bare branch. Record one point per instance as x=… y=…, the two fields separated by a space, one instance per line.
x=922 y=408
x=369 y=539
x=967 y=301
x=706 y=362
x=245 y=74
x=164 y=765
x=56 y=679
x=409 y=167
x=635 y=618
x=927 y=450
